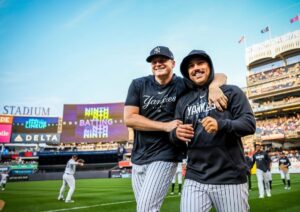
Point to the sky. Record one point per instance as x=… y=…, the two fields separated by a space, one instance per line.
x=56 y=52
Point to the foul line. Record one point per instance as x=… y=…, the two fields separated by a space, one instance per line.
x=99 y=205
x=90 y=206
x=123 y=202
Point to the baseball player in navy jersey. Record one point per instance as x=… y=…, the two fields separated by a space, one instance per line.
x=216 y=168
x=68 y=179
x=262 y=160
x=284 y=164
x=178 y=176
x=4 y=176
x=149 y=110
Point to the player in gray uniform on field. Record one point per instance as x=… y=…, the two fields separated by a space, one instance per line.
x=263 y=161
x=284 y=164
x=149 y=110
x=68 y=179
x=216 y=168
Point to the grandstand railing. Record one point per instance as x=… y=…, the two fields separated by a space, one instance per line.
x=284 y=72
x=269 y=91
x=276 y=105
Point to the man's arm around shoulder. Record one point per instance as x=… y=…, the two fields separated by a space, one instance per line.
x=136 y=121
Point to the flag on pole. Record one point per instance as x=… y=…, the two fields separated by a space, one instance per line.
x=296 y=18
x=264 y=30
x=242 y=39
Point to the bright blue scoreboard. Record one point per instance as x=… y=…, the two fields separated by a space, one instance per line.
x=35 y=125
x=35 y=130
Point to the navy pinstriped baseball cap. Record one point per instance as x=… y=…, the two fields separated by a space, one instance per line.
x=160 y=51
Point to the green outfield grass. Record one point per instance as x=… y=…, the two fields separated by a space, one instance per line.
x=116 y=195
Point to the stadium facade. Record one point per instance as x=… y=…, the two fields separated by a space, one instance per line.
x=273 y=88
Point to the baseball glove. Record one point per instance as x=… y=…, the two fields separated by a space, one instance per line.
x=80 y=160
x=283 y=168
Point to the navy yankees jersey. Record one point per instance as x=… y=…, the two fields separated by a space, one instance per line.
x=262 y=160
x=216 y=158
x=156 y=102
x=285 y=161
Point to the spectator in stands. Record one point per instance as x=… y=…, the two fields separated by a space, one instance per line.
x=149 y=110
x=68 y=178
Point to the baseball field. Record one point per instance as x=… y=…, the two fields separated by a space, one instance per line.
x=116 y=195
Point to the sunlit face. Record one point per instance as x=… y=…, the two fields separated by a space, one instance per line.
x=258 y=147
x=162 y=66
x=199 y=71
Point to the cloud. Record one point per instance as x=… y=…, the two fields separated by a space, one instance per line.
x=83 y=15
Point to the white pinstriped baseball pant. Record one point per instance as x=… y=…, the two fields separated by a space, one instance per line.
x=150 y=184
x=284 y=175
x=198 y=197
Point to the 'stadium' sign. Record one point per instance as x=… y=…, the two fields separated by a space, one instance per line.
x=5 y=128
x=25 y=110
x=94 y=123
x=35 y=130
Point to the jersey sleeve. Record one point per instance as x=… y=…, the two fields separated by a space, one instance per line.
x=243 y=121
x=179 y=116
x=133 y=95
x=72 y=162
x=288 y=162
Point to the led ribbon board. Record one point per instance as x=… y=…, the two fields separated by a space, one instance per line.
x=35 y=130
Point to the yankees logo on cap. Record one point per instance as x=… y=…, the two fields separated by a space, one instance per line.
x=157 y=50
x=160 y=51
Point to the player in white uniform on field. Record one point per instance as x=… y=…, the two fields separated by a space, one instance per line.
x=3 y=181
x=178 y=176
x=68 y=179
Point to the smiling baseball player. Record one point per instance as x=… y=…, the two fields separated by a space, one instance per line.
x=216 y=172
x=149 y=110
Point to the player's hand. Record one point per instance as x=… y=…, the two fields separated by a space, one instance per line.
x=217 y=97
x=171 y=125
x=210 y=124
x=185 y=132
